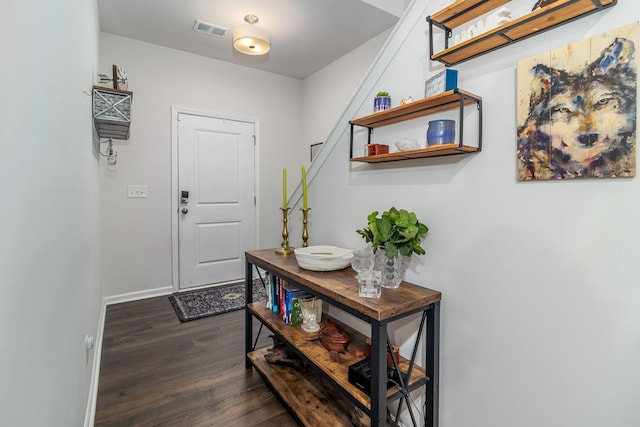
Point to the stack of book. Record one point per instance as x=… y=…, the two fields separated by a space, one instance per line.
x=282 y=298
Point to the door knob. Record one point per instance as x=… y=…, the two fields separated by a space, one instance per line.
x=185 y=210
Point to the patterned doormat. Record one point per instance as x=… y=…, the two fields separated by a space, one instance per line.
x=215 y=300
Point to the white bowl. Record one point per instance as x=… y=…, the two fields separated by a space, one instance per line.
x=323 y=258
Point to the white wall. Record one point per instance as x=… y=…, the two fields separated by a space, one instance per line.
x=49 y=216
x=137 y=232
x=395 y=7
x=540 y=305
x=327 y=92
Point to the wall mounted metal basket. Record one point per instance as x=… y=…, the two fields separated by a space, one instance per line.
x=112 y=112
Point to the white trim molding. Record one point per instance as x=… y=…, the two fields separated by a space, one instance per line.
x=175 y=112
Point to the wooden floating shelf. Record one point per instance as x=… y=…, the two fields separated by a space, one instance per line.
x=450 y=100
x=433 y=151
x=463 y=11
x=545 y=18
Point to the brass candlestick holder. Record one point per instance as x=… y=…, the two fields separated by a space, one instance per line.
x=305 y=231
x=285 y=249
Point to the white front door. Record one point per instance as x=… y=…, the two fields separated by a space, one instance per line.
x=216 y=189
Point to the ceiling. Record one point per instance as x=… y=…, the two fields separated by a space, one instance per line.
x=306 y=35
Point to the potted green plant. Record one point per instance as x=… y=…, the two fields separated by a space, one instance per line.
x=394 y=236
x=381 y=102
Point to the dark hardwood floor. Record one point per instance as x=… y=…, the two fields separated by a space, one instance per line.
x=156 y=371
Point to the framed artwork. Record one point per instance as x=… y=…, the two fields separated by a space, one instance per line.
x=576 y=109
x=314 y=149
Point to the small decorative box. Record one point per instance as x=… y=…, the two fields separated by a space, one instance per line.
x=443 y=81
x=373 y=149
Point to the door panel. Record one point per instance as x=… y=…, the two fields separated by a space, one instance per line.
x=229 y=233
x=217 y=223
x=214 y=168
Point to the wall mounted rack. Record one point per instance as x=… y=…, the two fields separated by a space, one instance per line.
x=463 y=11
x=112 y=112
x=453 y=99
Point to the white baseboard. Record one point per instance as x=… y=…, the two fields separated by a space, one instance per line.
x=90 y=414
x=134 y=296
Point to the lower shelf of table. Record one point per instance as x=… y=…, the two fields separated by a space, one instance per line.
x=318 y=356
x=306 y=395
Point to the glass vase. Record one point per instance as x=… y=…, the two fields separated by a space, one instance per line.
x=393 y=269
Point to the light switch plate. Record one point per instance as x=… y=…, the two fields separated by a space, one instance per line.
x=136 y=191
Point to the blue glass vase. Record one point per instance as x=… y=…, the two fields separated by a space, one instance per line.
x=441 y=132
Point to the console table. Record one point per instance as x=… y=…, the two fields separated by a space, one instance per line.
x=310 y=397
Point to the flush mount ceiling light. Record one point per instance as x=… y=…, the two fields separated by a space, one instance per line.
x=251 y=39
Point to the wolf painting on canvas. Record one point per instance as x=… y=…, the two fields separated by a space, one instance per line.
x=576 y=113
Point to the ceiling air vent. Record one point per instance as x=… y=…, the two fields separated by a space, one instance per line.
x=210 y=29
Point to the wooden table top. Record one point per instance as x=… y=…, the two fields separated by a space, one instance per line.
x=342 y=286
